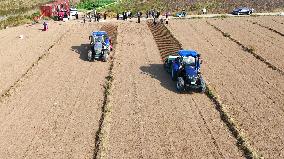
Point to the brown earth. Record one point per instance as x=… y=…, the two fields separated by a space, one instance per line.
x=17 y=55
x=55 y=111
x=148 y=118
x=252 y=93
x=264 y=42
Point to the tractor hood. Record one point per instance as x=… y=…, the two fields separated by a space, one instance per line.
x=190 y=71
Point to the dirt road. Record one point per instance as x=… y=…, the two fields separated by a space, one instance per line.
x=148 y=118
x=55 y=111
x=252 y=92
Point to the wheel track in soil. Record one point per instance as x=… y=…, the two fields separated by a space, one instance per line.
x=248 y=50
x=162 y=37
x=6 y=93
x=100 y=136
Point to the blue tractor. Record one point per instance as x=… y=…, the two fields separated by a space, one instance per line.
x=185 y=70
x=100 y=46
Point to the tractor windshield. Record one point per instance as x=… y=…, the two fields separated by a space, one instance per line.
x=99 y=39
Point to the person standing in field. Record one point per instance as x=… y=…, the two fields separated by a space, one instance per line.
x=105 y=15
x=139 y=15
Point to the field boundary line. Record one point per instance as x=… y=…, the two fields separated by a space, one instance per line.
x=8 y=92
x=249 y=50
x=102 y=132
x=241 y=140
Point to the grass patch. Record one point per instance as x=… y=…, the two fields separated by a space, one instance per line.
x=15 y=21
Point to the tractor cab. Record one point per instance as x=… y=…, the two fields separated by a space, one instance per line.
x=100 y=45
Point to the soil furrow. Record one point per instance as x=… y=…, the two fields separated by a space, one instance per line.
x=242 y=143
x=101 y=134
x=249 y=50
x=247 y=88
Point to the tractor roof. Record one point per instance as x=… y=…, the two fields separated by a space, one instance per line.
x=187 y=53
x=99 y=33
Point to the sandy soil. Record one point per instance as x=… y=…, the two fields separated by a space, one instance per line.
x=17 y=55
x=266 y=43
x=276 y=23
x=252 y=92
x=149 y=119
x=55 y=111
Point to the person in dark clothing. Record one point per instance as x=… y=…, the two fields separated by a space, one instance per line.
x=158 y=14
x=139 y=15
x=117 y=16
x=130 y=14
x=105 y=15
x=98 y=17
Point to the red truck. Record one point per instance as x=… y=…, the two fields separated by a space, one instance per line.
x=59 y=9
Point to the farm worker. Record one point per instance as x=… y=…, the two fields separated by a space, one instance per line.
x=105 y=16
x=45 y=26
x=167 y=20
x=138 y=17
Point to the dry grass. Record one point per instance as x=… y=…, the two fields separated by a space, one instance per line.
x=14 y=7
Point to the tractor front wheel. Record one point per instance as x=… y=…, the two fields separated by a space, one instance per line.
x=90 y=55
x=202 y=86
x=180 y=84
x=105 y=57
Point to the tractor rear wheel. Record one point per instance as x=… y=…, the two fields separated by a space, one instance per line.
x=173 y=74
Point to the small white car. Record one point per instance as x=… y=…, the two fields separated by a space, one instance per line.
x=73 y=12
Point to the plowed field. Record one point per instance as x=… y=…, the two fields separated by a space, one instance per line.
x=54 y=103
x=252 y=92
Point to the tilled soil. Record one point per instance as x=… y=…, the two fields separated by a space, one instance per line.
x=55 y=111
x=262 y=41
x=17 y=55
x=252 y=93
x=148 y=118
x=275 y=23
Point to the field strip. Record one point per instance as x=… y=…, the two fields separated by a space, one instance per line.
x=249 y=50
x=271 y=29
x=242 y=143
x=6 y=93
x=102 y=133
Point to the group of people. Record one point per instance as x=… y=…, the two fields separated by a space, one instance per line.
x=95 y=15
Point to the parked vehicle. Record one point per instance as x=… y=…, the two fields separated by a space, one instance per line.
x=242 y=11
x=100 y=46
x=74 y=12
x=185 y=70
x=181 y=14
